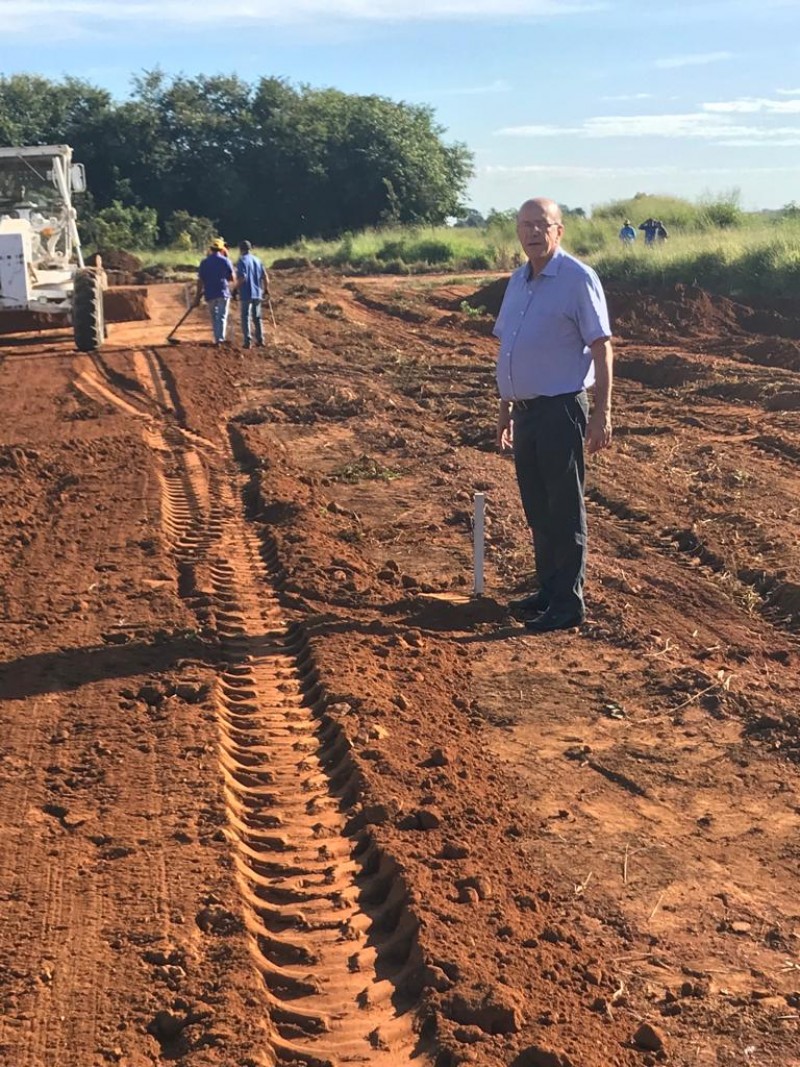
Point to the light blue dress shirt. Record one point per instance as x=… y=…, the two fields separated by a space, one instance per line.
x=545 y=327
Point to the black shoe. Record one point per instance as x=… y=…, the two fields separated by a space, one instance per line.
x=247 y=345
x=532 y=604
x=553 y=620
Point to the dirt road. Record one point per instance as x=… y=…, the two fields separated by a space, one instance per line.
x=274 y=789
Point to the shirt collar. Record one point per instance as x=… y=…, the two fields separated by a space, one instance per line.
x=550 y=269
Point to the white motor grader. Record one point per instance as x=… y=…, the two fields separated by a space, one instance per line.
x=41 y=265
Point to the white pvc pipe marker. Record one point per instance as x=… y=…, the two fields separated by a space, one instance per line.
x=478 y=537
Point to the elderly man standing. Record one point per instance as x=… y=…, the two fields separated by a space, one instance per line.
x=555 y=340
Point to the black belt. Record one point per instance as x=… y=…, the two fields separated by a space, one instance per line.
x=530 y=402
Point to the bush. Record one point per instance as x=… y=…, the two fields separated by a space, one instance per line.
x=480 y=261
x=122 y=227
x=396 y=266
x=395 y=249
x=369 y=265
x=344 y=254
x=722 y=214
x=189 y=232
x=430 y=251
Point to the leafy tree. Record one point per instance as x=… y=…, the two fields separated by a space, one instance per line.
x=35 y=111
x=269 y=161
x=471 y=219
x=119 y=226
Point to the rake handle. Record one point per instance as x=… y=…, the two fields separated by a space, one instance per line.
x=181 y=321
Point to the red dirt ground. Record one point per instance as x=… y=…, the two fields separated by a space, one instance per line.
x=276 y=790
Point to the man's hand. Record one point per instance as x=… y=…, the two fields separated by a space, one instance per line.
x=198 y=299
x=598 y=431
x=505 y=431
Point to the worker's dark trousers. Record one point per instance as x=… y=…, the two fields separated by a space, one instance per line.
x=548 y=456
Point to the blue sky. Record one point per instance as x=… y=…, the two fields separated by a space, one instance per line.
x=580 y=100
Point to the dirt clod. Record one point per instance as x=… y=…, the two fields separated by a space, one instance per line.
x=166 y=1027
x=540 y=1056
x=494 y=1012
x=214 y=919
x=650 y=1038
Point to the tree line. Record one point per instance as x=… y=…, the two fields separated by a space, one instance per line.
x=267 y=160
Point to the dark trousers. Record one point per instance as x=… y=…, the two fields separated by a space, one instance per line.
x=548 y=456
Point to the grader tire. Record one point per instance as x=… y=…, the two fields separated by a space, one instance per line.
x=88 y=322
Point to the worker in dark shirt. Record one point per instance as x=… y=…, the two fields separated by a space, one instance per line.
x=214 y=278
x=654 y=231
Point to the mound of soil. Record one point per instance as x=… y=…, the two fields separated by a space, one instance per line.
x=291 y=263
x=683 y=310
x=775 y=352
x=115 y=259
x=489 y=296
x=23 y=321
x=126 y=304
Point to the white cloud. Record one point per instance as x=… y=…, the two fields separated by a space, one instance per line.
x=700 y=59
x=693 y=124
x=569 y=171
x=752 y=105
x=751 y=139
x=92 y=14
x=538 y=131
x=788 y=92
x=700 y=125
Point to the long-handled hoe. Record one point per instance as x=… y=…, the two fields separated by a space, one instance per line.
x=171 y=339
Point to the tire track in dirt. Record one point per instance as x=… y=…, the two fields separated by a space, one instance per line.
x=331 y=935
x=92 y=382
x=332 y=939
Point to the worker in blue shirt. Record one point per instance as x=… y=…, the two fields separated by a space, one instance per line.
x=252 y=282
x=627 y=234
x=214 y=278
x=555 y=340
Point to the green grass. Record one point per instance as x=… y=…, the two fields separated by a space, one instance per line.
x=751 y=262
x=712 y=243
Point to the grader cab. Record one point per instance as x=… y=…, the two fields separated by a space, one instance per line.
x=41 y=264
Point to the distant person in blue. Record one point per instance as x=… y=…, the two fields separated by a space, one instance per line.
x=252 y=282
x=214 y=279
x=555 y=340
x=654 y=231
x=627 y=234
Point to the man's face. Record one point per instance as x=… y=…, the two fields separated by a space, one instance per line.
x=537 y=231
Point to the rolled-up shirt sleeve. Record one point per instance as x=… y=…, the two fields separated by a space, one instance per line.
x=592 y=311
